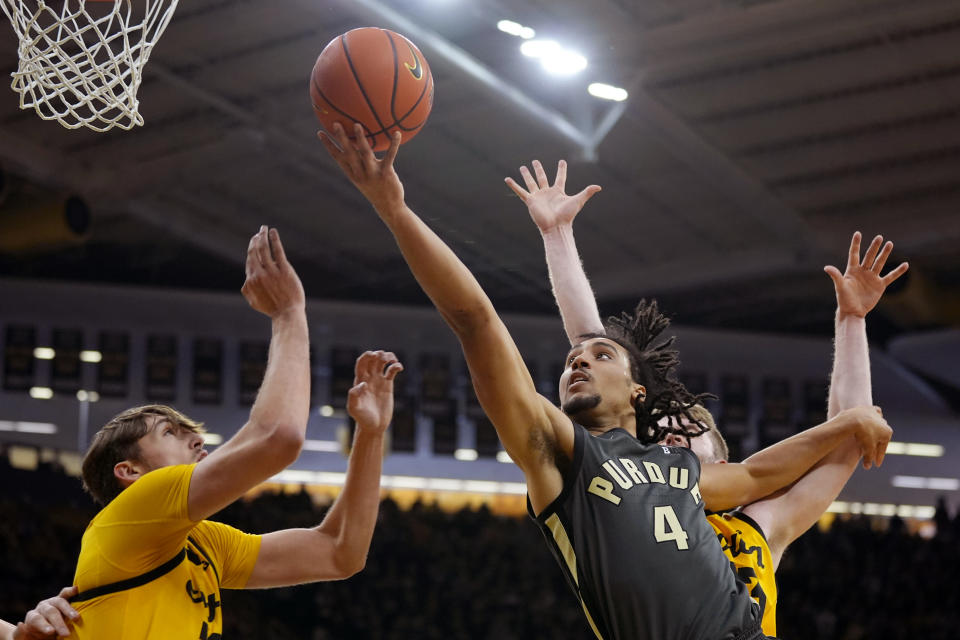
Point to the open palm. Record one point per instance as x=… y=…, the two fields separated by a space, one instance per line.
x=549 y=205
x=859 y=288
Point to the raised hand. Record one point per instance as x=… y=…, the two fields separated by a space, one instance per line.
x=375 y=178
x=49 y=619
x=272 y=286
x=872 y=433
x=549 y=205
x=859 y=288
x=370 y=401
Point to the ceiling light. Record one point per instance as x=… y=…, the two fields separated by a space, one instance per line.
x=91 y=356
x=563 y=62
x=212 y=438
x=503 y=456
x=44 y=353
x=607 y=92
x=326 y=411
x=41 y=393
x=539 y=48
x=516 y=29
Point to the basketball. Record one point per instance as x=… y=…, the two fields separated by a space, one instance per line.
x=375 y=77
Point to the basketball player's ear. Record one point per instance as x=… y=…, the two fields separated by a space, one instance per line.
x=639 y=393
x=126 y=471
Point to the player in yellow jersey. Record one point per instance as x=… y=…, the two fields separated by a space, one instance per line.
x=755 y=536
x=150 y=565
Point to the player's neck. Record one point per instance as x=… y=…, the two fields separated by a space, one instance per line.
x=600 y=424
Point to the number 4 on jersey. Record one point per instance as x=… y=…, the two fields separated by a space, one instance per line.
x=666 y=527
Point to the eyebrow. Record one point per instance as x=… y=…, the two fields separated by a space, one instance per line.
x=606 y=343
x=164 y=420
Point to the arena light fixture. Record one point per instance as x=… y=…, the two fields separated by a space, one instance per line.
x=331 y=446
x=91 y=356
x=405 y=482
x=21 y=426
x=481 y=486
x=326 y=411
x=554 y=58
x=465 y=454
x=516 y=29
x=915 y=449
x=87 y=396
x=41 y=393
x=564 y=62
x=44 y=353
x=607 y=92
x=539 y=48
x=922 y=512
x=920 y=482
x=503 y=456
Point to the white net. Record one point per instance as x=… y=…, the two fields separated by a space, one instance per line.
x=81 y=60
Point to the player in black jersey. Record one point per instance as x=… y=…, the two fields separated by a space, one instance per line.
x=624 y=516
x=753 y=536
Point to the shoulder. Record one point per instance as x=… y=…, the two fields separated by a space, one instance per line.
x=737 y=519
x=220 y=538
x=162 y=479
x=159 y=494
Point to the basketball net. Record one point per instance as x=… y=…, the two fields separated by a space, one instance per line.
x=81 y=65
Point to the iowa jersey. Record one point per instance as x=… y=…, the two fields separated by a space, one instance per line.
x=629 y=533
x=146 y=571
x=743 y=542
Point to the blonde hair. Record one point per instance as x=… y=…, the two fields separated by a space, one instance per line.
x=117 y=441
x=721 y=452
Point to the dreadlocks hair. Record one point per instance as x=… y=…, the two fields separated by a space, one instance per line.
x=654 y=366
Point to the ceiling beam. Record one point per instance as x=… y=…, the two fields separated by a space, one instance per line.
x=735 y=34
x=749 y=195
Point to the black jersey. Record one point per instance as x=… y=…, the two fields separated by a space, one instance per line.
x=630 y=535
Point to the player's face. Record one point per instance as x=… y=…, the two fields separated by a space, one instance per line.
x=701 y=446
x=167 y=444
x=597 y=372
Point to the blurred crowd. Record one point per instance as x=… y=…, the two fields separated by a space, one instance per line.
x=473 y=574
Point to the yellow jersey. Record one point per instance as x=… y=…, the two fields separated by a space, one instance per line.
x=743 y=542
x=147 y=571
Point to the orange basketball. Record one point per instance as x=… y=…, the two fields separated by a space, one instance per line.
x=375 y=77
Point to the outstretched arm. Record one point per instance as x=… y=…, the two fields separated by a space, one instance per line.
x=529 y=426
x=858 y=291
x=724 y=486
x=553 y=212
x=338 y=547
x=271 y=439
x=786 y=515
